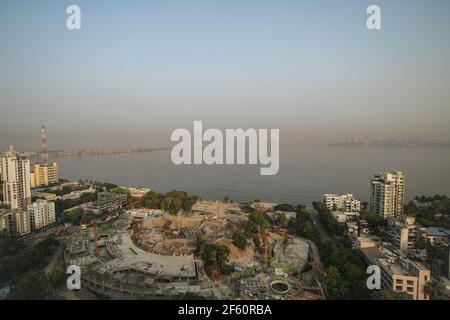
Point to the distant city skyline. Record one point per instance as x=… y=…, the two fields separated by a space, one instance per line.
x=139 y=69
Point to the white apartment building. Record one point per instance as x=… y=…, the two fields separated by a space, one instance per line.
x=387 y=193
x=42 y=214
x=344 y=202
x=15 y=180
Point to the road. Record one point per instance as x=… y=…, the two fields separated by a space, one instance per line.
x=324 y=234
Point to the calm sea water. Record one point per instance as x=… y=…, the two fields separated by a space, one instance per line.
x=305 y=173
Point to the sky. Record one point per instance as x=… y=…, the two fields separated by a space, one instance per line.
x=137 y=70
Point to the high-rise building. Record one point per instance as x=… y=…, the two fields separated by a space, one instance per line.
x=42 y=214
x=387 y=193
x=344 y=202
x=15 y=180
x=44 y=175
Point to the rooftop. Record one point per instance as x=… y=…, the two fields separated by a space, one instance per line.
x=438 y=232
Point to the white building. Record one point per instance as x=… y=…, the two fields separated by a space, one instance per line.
x=344 y=202
x=343 y=217
x=15 y=180
x=42 y=214
x=387 y=193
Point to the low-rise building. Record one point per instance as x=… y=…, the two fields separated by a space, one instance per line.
x=364 y=243
x=109 y=201
x=344 y=202
x=144 y=214
x=77 y=193
x=352 y=229
x=363 y=227
x=399 y=274
x=438 y=236
x=45 y=195
x=42 y=214
x=343 y=217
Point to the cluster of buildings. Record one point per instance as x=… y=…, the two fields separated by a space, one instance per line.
x=396 y=256
x=19 y=215
x=19 y=222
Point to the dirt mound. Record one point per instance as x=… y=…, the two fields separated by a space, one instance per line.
x=172 y=247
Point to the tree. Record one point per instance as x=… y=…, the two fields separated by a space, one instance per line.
x=200 y=242
x=33 y=286
x=239 y=240
x=280 y=218
x=387 y=294
x=256 y=223
x=215 y=256
x=284 y=207
x=152 y=200
x=57 y=278
x=326 y=251
x=336 y=286
x=434 y=290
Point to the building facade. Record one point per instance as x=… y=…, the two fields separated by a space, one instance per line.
x=44 y=175
x=15 y=180
x=16 y=223
x=403 y=233
x=387 y=193
x=399 y=274
x=344 y=202
x=108 y=201
x=42 y=214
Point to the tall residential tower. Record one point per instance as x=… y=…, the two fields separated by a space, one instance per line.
x=388 y=193
x=15 y=180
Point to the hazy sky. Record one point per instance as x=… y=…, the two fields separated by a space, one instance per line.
x=139 y=69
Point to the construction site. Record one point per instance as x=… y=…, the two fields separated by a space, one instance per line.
x=156 y=257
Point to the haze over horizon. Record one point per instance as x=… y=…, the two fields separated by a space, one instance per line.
x=137 y=70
